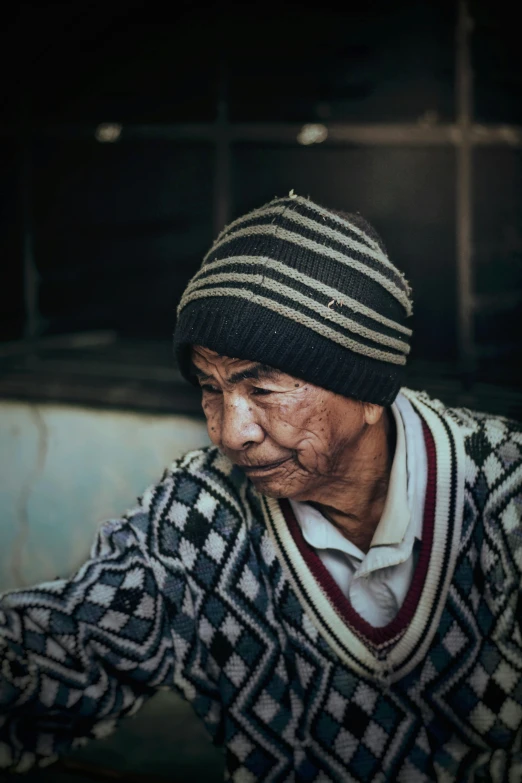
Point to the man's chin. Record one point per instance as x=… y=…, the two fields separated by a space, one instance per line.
x=283 y=480
x=272 y=488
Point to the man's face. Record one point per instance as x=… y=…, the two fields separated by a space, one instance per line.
x=293 y=439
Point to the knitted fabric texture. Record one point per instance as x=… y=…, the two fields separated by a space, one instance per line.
x=205 y=587
x=304 y=289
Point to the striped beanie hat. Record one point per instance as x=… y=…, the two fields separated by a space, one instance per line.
x=304 y=289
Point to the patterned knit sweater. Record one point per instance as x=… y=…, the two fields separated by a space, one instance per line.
x=209 y=588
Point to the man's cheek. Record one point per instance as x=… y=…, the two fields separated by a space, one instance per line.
x=296 y=429
x=213 y=425
x=312 y=453
x=285 y=433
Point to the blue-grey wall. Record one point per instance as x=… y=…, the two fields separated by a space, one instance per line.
x=63 y=470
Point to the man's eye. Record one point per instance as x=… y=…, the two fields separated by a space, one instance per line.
x=207 y=387
x=259 y=391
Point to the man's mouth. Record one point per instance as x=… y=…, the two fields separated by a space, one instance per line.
x=252 y=470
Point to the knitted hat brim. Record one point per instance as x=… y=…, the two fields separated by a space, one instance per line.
x=245 y=330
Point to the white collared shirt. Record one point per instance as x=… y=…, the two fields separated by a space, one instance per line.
x=376 y=583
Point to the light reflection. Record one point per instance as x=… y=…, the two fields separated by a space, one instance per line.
x=312 y=133
x=108 y=132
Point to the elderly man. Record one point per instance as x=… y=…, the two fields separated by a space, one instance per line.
x=335 y=585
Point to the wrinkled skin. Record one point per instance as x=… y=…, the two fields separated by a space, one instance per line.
x=299 y=441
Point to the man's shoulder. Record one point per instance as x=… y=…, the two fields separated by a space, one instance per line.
x=203 y=484
x=201 y=502
x=206 y=464
x=493 y=454
x=496 y=428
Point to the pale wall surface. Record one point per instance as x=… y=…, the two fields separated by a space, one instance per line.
x=63 y=470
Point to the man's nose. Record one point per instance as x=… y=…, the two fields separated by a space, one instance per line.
x=239 y=425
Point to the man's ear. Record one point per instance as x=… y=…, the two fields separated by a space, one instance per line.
x=372 y=412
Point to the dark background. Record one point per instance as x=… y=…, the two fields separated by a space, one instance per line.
x=98 y=240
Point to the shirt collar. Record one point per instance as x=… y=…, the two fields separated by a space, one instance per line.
x=319 y=531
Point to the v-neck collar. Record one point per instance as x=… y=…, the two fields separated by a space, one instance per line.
x=393 y=650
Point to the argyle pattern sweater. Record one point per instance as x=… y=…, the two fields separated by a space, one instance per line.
x=208 y=588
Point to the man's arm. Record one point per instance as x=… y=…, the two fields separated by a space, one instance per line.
x=76 y=655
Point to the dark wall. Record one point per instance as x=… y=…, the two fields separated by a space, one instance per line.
x=117 y=229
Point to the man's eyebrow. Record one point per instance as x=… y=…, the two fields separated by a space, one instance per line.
x=255 y=372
